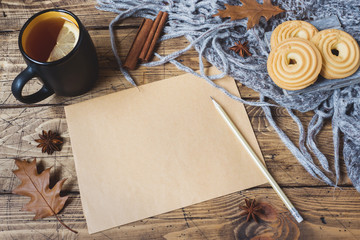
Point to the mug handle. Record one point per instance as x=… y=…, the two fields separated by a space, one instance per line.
x=19 y=83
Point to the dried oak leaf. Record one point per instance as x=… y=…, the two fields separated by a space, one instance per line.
x=250 y=9
x=44 y=202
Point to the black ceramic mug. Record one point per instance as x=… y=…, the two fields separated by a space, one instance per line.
x=72 y=75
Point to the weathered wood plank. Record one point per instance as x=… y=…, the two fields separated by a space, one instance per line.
x=26 y=123
x=110 y=78
x=20 y=126
x=327 y=214
x=286 y=170
x=14 y=13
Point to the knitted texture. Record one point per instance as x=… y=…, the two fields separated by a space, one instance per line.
x=212 y=37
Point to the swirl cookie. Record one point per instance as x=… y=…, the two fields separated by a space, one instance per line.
x=290 y=29
x=294 y=64
x=340 y=53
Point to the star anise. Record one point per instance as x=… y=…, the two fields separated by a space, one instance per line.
x=241 y=48
x=251 y=210
x=49 y=142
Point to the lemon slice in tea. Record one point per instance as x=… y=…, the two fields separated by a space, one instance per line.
x=65 y=42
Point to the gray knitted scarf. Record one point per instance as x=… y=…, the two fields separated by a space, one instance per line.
x=212 y=37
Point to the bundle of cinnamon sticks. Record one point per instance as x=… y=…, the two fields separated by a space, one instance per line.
x=145 y=40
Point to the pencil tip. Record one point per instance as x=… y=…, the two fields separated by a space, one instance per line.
x=211 y=98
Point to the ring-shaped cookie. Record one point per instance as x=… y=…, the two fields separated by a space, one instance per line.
x=290 y=29
x=340 y=53
x=294 y=64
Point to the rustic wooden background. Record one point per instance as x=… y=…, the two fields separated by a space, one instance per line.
x=328 y=213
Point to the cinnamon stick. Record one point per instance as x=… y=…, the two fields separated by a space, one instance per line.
x=150 y=36
x=159 y=29
x=140 y=38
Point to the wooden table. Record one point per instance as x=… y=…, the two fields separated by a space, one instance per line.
x=328 y=213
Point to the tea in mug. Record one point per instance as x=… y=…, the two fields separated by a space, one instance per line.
x=50 y=36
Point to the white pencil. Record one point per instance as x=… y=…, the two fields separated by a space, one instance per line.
x=258 y=162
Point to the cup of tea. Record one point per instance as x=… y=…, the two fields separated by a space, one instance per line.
x=59 y=51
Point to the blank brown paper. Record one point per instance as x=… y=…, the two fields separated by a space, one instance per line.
x=143 y=152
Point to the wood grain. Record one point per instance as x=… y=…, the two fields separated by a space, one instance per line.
x=213 y=219
x=328 y=213
x=14 y=13
x=110 y=80
x=21 y=126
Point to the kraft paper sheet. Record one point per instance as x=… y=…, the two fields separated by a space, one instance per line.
x=143 y=152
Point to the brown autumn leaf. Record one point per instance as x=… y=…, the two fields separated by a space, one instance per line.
x=250 y=9
x=44 y=202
